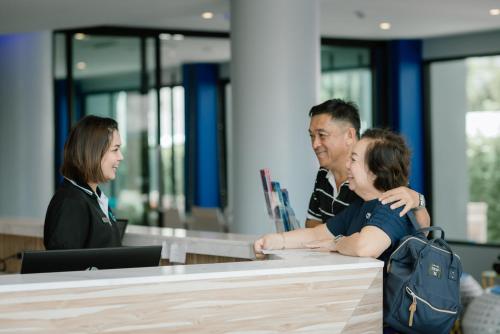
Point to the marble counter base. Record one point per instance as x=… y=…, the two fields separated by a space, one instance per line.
x=345 y=301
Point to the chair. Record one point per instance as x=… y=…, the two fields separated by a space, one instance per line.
x=207 y=219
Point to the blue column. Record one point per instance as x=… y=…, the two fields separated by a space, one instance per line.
x=407 y=102
x=202 y=165
x=61 y=127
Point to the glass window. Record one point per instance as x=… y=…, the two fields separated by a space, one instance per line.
x=108 y=82
x=116 y=76
x=172 y=143
x=465 y=140
x=346 y=74
x=483 y=148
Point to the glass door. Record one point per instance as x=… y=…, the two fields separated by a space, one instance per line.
x=114 y=77
x=346 y=74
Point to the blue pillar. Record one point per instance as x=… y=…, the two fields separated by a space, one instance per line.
x=202 y=165
x=407 y=102
x=61 y=127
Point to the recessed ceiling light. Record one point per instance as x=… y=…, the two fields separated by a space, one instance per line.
x=178 y=37
x=207 y=15
x=165 y=37
x=385 y=26
x=80 y=36
x=495 y=11
x=81 y=65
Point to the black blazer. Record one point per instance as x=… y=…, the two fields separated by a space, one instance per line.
x=74 y=219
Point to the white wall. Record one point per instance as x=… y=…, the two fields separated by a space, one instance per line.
x=26 y=124
x=449 y=162
x=476 y=259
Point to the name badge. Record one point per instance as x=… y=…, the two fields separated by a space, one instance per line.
x=106 y=220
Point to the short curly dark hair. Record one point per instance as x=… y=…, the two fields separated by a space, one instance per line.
x=388 y=157
x=339 y=110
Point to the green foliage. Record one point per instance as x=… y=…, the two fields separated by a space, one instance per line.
x=484 y=179
x=483 y=83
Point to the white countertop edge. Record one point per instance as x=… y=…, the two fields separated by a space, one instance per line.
x=73 y=282
x=31 y=227
x=188 y=238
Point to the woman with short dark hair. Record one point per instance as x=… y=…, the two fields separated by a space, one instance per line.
x=379 y=162
x=78 y=215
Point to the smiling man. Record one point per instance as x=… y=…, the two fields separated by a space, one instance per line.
x=334 y=129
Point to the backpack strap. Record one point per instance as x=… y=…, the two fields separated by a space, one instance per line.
x=433 y=229
x=419 y=231
x=415 y=224
x=439 y=241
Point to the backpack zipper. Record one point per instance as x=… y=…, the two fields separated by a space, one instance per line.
x=415 y=297
x=412 y=309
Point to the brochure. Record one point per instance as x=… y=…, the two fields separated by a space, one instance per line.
x=278 y=203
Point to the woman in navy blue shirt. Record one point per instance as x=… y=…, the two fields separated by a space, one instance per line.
x=379 y=162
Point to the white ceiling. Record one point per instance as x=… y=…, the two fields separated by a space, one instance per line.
x=339 y=18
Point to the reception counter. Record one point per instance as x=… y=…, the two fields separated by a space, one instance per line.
x=300 y=291
x=293 y=291
x=179 y=245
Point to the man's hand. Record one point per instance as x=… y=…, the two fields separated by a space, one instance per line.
x=401 y=196
x=268 y=241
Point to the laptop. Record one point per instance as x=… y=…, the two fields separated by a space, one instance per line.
x=89 y=259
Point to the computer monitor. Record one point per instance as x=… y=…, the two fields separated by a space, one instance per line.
x=89 y=259
x=122 y=226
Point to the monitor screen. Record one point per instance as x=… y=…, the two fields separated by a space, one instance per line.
x=89 y=259
x=122 y=227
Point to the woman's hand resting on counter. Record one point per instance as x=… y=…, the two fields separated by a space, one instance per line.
x=268 y=242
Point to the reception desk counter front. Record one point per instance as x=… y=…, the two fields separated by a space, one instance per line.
x=292 y=291
x=306 y=292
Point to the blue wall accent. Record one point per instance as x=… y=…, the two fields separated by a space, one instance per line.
x=200 y=89
x=61 y=127
x=406 y=89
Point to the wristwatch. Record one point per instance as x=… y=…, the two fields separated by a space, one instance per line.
x=421 y=201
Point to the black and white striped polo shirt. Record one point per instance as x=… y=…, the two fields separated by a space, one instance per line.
x=326 y=201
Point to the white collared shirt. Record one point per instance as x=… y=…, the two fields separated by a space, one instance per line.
x=102 y=200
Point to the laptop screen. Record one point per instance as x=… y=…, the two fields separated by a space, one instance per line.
x=89 y=259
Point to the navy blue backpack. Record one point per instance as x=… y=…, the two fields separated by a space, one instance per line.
x=422 y=292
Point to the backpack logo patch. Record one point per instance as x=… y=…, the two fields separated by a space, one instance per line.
x=435 y=270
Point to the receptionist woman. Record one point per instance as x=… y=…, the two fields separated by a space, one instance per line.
x=78 y=215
